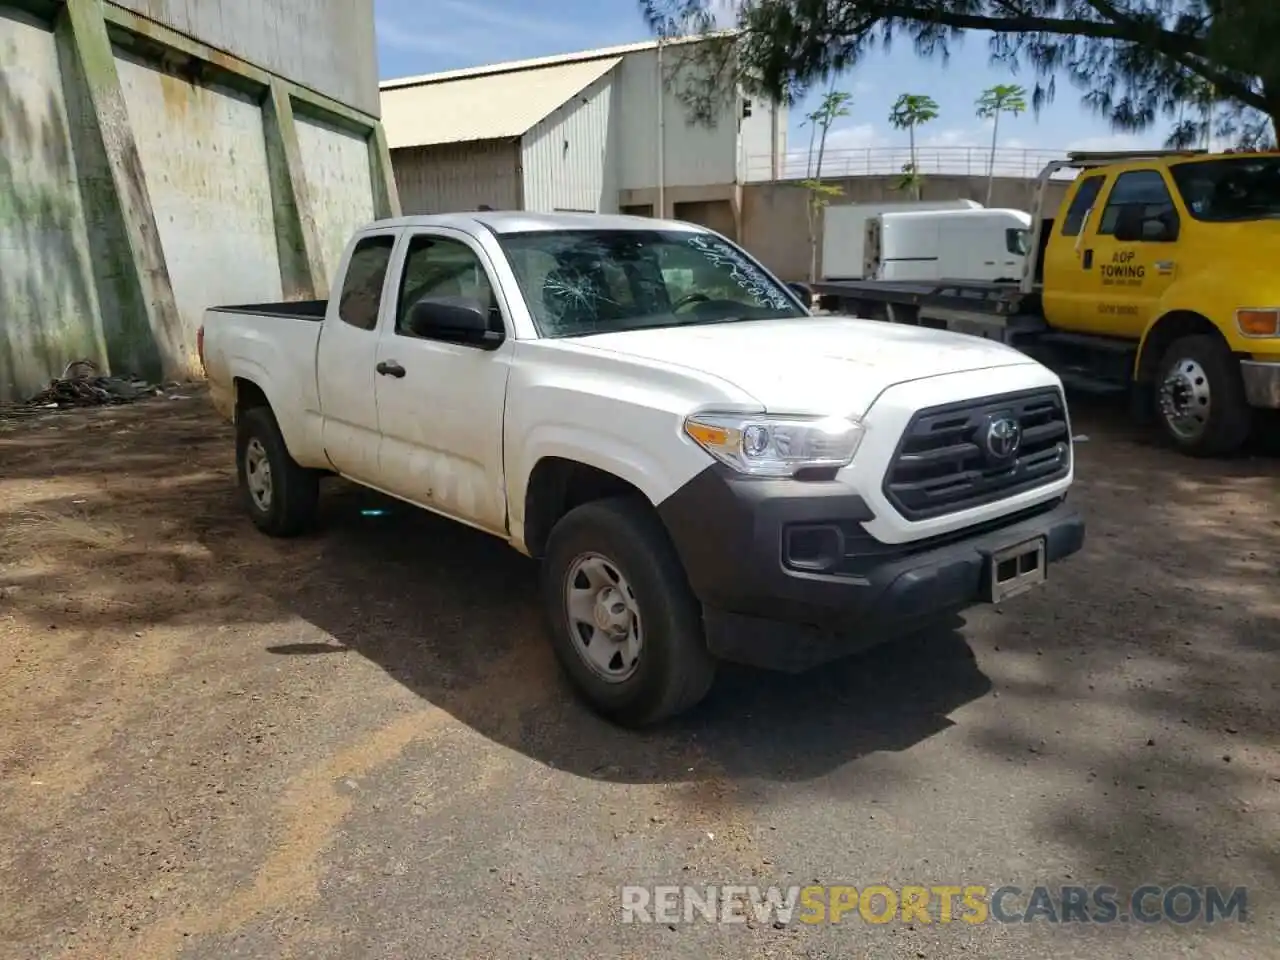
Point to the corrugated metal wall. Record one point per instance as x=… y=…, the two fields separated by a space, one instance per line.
x=327 y=45
x=570 y=158
x=336 y=164
x=458 y=176
x=209 y=190
x=48 y=299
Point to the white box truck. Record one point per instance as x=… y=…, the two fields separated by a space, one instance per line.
x=947 y=245
x=844 y=231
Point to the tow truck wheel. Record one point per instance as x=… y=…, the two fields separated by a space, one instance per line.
x=625 y=626
x=280 y=496
x=1200 y=397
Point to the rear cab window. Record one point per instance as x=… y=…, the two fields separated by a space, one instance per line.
x=366 y=275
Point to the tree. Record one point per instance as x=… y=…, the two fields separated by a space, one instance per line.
x=910 y=111
x=1136 y=61
x=1002 y=98
x=833 y=106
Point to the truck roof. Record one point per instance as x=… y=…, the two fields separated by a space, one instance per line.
x=523 y=221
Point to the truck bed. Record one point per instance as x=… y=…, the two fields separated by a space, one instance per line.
x=285 y=310
x=982 y=296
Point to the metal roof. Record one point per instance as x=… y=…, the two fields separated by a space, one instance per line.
x=484 y=106
x=511 y=66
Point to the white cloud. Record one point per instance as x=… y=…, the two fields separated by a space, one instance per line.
x=858 y=137
x=1113 y=141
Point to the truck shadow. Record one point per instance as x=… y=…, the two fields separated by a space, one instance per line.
x=458 y=622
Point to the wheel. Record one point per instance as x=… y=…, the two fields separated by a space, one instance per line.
x=280 y=496
x=625 y=626
x=1200 y=397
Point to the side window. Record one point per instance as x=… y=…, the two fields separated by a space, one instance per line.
x=1141 y=189
x=362 y=286
x=443 y=267
x=1085 y=197
x=1017 y=241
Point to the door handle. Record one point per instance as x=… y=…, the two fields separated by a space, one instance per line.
x=389 y=368
x=1088 y=259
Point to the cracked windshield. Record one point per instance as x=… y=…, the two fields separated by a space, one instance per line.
x=580 y=282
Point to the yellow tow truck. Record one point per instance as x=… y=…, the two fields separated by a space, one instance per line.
x=1158 y=276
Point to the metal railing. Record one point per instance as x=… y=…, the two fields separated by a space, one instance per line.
x=888 y=161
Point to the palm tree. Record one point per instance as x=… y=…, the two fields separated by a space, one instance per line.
x=1002 y=98
x=833 y=106
x=910 y=111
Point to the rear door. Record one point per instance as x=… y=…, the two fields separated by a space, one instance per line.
x=441 y=413
x=1066 y=266
x=346 y=357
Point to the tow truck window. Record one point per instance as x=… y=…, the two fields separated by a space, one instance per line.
x=1081 y=204
x=362 y=286
x=1230 y=189
x=1145 y=189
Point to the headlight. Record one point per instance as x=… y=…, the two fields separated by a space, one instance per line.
x=775 y=446
x=1259 y=322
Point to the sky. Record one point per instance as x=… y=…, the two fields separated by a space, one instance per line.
x=426 y=36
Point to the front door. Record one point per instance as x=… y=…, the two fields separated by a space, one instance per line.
x=1130 y=275
x=346 y=357
x=442 y=410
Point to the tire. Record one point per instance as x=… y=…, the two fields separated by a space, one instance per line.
x=673 y=670
x=291 y=492
x=1197 y=373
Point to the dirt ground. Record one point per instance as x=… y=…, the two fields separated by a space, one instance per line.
x=356 y=744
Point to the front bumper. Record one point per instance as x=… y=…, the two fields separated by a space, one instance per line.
x=1261 y=383
x=788 y=577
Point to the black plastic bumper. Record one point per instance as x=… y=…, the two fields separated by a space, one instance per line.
x=788 y=578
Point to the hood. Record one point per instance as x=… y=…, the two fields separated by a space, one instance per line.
x=828 y=365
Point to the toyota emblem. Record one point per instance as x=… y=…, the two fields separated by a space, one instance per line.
x=1003 y=436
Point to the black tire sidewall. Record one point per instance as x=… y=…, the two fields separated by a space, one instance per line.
x=1229 y=413
x=673 y=641
x=258 y=424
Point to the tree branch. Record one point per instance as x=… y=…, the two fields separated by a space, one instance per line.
x=1188 y=51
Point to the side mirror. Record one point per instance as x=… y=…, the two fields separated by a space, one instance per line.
x=455 y=320
x=802 y=291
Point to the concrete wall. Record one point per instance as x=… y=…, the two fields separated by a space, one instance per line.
x=570 y=159
x=695 y=154
x=48 y=303
x=448 y=177
x=335 y=165
x=775 y=229
x=327 y=45
x=145 y=176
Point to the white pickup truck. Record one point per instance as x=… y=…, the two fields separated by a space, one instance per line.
x=705 y=471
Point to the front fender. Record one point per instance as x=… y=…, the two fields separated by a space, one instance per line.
x=656 y=469
x=1216 y=295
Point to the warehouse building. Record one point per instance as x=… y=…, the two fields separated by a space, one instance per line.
x=605 y=131
x=160 y=156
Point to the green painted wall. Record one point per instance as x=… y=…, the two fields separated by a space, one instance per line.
x=49 y=306
x=120 y=184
